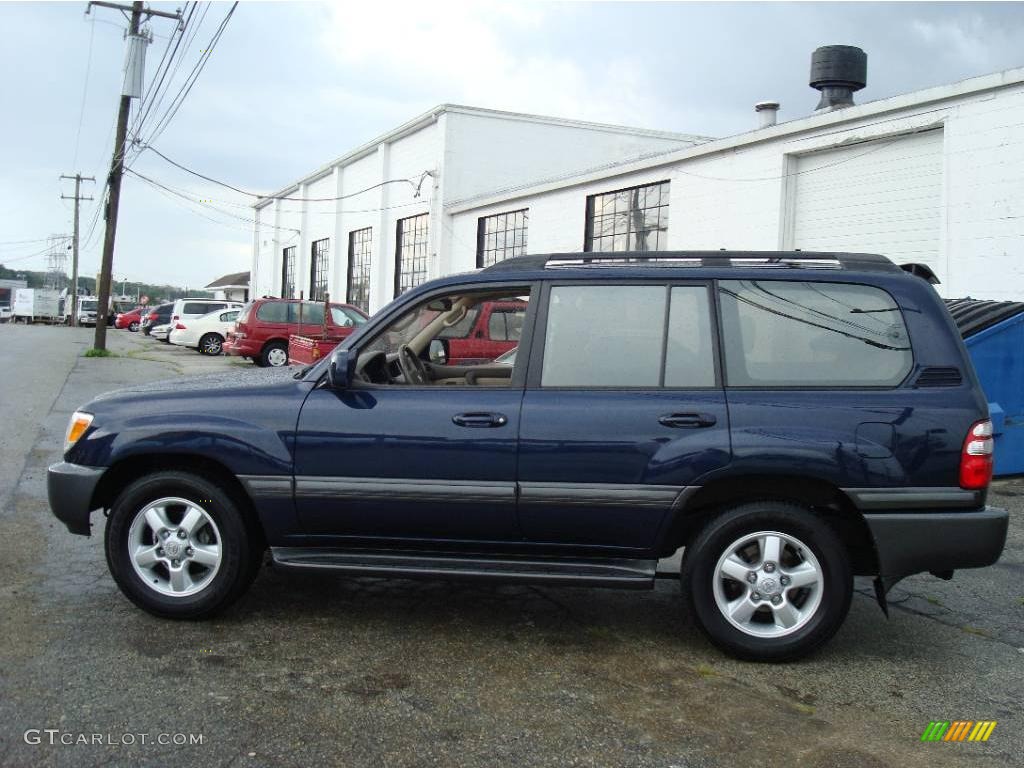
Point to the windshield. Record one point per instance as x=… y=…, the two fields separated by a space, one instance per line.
x=88 y=306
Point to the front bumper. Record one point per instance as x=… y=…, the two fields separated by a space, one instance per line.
x=70 y=489
x=914 y=542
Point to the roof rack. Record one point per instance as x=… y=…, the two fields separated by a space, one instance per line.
x=783 y=259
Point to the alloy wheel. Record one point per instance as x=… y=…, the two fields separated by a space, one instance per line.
x=768 y=584
x=175 y=547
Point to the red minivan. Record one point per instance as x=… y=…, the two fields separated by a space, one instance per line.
x=487 y=331
x=264 y=325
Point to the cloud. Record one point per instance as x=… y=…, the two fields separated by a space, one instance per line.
x=480 y=54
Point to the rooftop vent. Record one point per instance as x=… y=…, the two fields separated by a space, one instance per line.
x=767 y=112
x=838 y=71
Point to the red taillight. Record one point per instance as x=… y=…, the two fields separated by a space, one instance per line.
x=976 y=456
x=179 y=327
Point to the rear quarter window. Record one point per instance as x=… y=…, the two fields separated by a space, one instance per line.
x=199 y=308
x=273 y=312
x=790 y=334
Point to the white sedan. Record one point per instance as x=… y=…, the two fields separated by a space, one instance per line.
x=205 y=334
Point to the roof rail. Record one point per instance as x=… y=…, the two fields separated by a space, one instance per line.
x=692 y=258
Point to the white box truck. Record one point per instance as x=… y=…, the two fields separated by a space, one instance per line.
x=33 y=305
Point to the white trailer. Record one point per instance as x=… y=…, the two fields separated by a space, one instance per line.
x=36 y=304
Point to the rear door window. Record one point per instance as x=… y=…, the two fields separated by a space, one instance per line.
x=790 y=334
x=312 y=313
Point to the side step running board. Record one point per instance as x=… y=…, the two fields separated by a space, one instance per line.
x=621 y=573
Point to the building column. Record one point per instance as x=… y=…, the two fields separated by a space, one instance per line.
x=302 y=254
x=382 y=274
x=339 y=262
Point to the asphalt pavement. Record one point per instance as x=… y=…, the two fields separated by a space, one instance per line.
x=311 y=670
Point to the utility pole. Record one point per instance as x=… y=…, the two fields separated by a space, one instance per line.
x=79 y=178
x=131 y=90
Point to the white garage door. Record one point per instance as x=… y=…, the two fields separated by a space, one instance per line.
x=877 y=197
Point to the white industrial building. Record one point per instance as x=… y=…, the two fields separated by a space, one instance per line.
x=935 y=176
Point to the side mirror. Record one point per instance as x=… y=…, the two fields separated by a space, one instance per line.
x=439 y=351
x=339 y=372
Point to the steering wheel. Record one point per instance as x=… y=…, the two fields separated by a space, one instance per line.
x=412 y=367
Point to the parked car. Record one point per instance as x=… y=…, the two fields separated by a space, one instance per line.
x=156 y=316
x=5 y=314
x=789 y=419
x=264 y=326
x=161 y=332
x=205 y=334
x=130 y=320
x=192 y=309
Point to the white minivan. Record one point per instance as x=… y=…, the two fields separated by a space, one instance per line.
x=190 y=309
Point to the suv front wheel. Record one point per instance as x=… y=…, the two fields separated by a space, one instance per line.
x=768 y=581
x=179 y=547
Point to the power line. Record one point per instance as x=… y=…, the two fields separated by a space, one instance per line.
x=85 y=92
x=154 y=96
x=181 y=58
x=184 y=196
x=190 y=81
x=233 y=188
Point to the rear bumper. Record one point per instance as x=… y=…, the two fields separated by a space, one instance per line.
x=70 y=488
x=914 y=542
x=243 y=347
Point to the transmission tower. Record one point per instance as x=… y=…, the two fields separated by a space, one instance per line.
x=56 y=262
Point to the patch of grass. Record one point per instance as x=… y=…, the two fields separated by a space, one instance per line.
x=93 y=352
x=705 y=671
x=1020 y=601
x=974 y=631
x=933 y=600
x=804 y=709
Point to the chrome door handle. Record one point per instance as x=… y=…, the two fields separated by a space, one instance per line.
x=480 y=419
x=687 y=420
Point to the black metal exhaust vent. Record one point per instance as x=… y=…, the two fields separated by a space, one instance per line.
x=838 y=71
x=937 y=376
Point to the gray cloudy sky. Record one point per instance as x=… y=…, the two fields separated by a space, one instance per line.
x=293 y=85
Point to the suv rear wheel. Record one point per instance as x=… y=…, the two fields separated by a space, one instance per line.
x=274 y=354
x=179 y=547
x=768 y=581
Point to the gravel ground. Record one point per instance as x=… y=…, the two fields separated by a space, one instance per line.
x=319 y=670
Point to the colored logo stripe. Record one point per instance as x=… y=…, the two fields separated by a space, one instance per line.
x=958 y=730
x=982 y=730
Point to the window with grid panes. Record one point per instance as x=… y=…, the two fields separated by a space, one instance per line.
x=360 y=243
x=634 y=219
x=318 y=269
x=411 y=253
x=501 y=237
x=288 y=273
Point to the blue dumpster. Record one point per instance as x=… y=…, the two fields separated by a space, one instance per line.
x=994 y=334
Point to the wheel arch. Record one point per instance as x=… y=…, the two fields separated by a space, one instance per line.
x=132 y=468
x=823 y=498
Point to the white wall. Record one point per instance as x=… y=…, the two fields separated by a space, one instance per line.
x=738 y=198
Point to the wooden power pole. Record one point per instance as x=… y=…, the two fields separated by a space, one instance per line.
x=117 y=169
x=79 y=178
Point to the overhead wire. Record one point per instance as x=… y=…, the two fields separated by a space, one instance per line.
x=85 y=92
x=191 y=79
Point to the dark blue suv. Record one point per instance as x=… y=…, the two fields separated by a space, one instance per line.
x=790 y=419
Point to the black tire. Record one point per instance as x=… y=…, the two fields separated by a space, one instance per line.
x=698 y=574
x=267 y=353
x=240 y=544
x=210 y=344
x=133 y=327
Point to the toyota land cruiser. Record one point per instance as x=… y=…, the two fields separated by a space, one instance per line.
x=789 y=419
